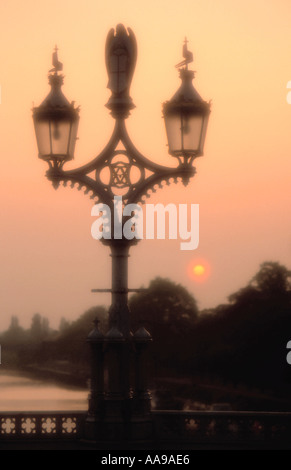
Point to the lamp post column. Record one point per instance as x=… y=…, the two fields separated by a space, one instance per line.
x=119 y=346
x=119 y=315
x=97 y=395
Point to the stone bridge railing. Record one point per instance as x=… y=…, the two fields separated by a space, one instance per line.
x=41 y=425
x=223 y=428
x=171 y=429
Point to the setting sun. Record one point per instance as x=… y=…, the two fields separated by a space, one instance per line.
x=198 y=270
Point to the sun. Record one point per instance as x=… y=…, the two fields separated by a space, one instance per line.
x=198 y=270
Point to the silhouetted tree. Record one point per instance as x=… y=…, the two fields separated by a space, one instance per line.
x=14 y=324
x=39 y=329
x=246 y=339
x=36 y=326
x=163 y=303
x=169 y=312
x=14 y=335
x=272 y=278
x=64 y=325
x=70 y=344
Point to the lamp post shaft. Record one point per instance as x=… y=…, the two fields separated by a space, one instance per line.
x=119 y=315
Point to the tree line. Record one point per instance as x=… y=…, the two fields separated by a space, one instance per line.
x=242 y=341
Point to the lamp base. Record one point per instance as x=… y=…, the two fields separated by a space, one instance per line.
x=118 y=431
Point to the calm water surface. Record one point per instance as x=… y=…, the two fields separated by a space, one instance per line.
x=19 y=393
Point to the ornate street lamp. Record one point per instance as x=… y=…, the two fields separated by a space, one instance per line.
x=120 y=170
x=56 y=122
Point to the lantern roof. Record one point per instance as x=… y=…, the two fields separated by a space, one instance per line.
x=186 y=92
x=56 y=105
x=186 y=96
x=56 y=98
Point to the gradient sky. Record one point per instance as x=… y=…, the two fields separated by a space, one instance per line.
x=242 y=56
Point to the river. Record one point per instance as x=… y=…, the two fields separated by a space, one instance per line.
x=20 y=393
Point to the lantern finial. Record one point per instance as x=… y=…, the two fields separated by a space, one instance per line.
x=188 y=56
x=58 y=66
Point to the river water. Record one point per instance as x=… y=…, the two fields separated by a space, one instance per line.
x=24 y=393
x=19 y=393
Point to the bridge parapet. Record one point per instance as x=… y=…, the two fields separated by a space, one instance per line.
x=171 y=429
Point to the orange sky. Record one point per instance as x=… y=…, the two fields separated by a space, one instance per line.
x=242 y=55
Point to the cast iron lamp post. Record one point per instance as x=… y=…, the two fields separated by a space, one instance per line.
x=120 y=169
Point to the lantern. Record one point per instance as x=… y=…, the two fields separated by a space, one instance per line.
x=56 y=122
x=186 y=118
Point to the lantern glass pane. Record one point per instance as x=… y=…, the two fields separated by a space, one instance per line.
x=173 y=129
x=73 y=137
x=60 y=135
x=191 y=130
x=203 y=134
x=42 y=137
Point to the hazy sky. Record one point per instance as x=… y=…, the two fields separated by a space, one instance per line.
x=242 y=56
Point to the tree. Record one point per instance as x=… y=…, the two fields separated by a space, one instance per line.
x=169 y=312
x=272 y=278
x=163 y=303
x=45 y=326
x=64 y=325
x=248 y=337
x=36 y=326
x=14 y=324
x=272 y=281
x=39 y=328
x=15 y=335
x=70 y=344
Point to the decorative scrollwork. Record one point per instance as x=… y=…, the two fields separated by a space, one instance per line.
x=69 y=425
x=120 y=165
x=119 y=174
x=28 y=425
x=48 y=425
x=257 y=428
x=192 y=425
x=8 y=425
